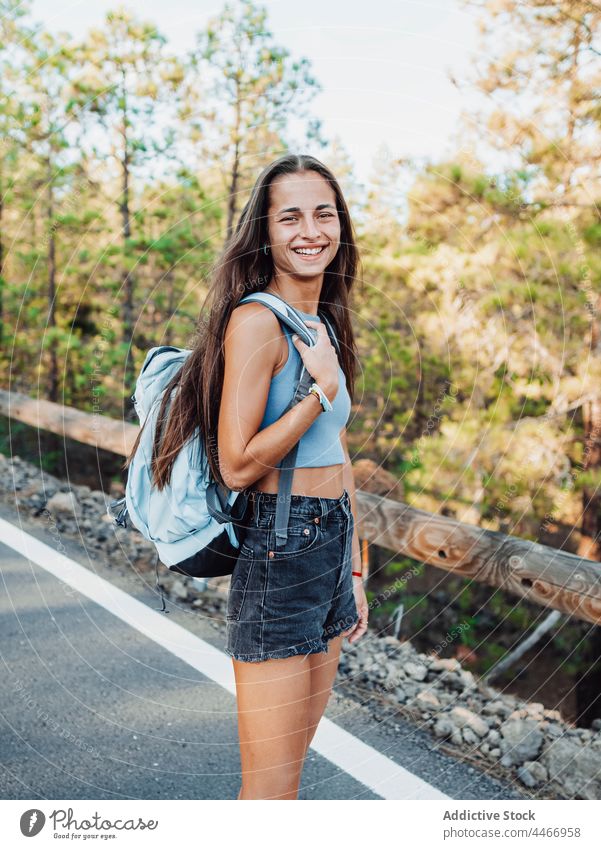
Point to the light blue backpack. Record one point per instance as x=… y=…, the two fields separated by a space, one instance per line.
x=194 y=523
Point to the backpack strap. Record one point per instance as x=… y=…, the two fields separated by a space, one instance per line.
x=330 y=330
x=217 y=497
x=288 y=463
x=283 y=311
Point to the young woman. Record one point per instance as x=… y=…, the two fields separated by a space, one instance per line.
x=290 y=606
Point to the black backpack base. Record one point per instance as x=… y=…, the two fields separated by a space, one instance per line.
x=215 y=559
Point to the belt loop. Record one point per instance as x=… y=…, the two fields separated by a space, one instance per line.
x=257 y=505
x=324 y=513
x=346 y=504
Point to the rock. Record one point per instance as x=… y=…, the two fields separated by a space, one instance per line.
x=178 y=590
x=552 y=714
x=29 y=491
x=456 y=737
x=496 y=709
x=391 y=681
x=469 y=736
x=576 y=768
x=467 y=679
x=427 y=699
x=445 y=664
x=595 y=724
x=443 y=727
x=411 y=688
x=462 y=717
x=417 y=671
x=452 y=681
x=520 y=713
x=522 y=740
x=493 y=737
x=64 y=504
x=532 y=773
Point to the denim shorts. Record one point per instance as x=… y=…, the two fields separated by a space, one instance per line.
x=294 y=599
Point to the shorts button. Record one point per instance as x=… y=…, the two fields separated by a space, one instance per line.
x=316 y=519
x=306 y=531
x=271 y=553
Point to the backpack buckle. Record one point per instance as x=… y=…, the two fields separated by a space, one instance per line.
x=117 y=510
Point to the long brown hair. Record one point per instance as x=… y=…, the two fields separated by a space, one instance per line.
x=242 y=268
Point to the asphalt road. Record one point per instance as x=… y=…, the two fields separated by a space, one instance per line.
x=91 y=707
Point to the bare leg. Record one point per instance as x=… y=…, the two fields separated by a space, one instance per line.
x=324 y=666
x=273 y=710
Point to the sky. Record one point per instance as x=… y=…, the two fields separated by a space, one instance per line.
x=384 y=64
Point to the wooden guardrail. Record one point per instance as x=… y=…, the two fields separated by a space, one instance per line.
x=548 y=576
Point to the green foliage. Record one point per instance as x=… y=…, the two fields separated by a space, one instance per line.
x=592 y=234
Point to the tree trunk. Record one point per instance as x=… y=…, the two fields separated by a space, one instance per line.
x=588 y=687
x=1 y=261
x=128 y=279
x=231 y=203
x=590 y=546
x=233 y=193
x=170 y=306
x=51 y=260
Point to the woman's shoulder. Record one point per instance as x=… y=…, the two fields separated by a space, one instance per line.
x=252 y=318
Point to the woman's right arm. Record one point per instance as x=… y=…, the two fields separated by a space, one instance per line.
x=251 y=352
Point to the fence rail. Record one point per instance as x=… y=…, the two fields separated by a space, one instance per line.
x=548 y=576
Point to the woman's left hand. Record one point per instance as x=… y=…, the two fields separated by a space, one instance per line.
x=357 y=631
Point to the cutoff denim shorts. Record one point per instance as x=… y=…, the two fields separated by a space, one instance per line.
x=294 y=599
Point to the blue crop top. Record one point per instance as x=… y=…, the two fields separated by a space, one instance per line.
x=320 y=444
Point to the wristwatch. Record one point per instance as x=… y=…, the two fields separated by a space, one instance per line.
x=315 y=389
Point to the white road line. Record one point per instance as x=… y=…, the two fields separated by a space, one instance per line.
x=364 y=763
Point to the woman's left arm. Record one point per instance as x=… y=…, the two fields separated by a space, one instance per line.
x=362 y=608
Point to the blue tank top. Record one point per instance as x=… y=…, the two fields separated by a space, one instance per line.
x=320 y=444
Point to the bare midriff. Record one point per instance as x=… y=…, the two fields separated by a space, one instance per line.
x=325 y=481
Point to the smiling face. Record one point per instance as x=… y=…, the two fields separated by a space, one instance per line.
x=303 y=223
